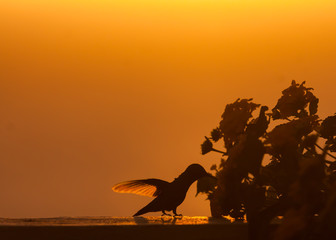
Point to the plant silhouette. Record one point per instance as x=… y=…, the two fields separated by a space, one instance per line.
x=298 y=182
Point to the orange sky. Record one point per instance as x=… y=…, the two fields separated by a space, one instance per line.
x=96 y=92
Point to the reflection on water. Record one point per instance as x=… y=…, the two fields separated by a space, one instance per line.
x=84 y=221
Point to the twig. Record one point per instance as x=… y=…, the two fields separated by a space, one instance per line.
x=215 y=150
x=314 y=152
x=326 y=152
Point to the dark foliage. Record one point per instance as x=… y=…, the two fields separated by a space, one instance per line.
x=297 y=181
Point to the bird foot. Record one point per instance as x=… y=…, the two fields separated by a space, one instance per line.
x=178 y=215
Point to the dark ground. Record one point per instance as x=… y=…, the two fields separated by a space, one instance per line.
x=200 y=228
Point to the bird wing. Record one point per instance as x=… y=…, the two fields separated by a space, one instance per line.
x=146 y=187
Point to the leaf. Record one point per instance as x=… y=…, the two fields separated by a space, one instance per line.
x=289 y=135
x=235 y=119
x=206 y=146
x=310 y=141
x=306 y=200
x=271 y=194
x=214 y=167
x=206 y=185
x=275 y=175
x=258 y=126
x=328 y=127
x=247 y=155
x=293 y=102
x=216 y=134
x=332 y=145
x=313 y=104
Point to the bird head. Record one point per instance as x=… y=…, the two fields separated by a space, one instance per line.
x=195 y=172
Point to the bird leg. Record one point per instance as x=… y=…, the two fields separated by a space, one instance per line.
x=165 y=214
x=175 y=214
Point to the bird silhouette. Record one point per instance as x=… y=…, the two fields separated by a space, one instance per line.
x=168 y=195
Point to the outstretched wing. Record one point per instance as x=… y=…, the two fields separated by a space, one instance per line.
x=145 y=187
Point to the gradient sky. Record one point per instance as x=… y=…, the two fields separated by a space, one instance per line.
x=96 y=92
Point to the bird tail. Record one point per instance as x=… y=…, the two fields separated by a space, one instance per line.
x=142 y=211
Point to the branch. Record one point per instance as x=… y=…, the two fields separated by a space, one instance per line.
x=326 y=152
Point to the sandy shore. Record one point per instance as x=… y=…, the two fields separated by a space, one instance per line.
x=199 y=228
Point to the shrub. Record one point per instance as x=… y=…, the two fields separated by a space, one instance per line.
x=273 y=166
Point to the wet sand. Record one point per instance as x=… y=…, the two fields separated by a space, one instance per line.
x=200 y=228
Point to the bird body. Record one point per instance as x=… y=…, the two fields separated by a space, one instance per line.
x=168 y=195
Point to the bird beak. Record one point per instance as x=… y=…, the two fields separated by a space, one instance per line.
x=209 y=175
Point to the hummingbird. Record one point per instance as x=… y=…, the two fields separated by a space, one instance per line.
x=168 y=195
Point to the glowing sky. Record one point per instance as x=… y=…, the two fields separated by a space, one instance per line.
x=96 y=92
